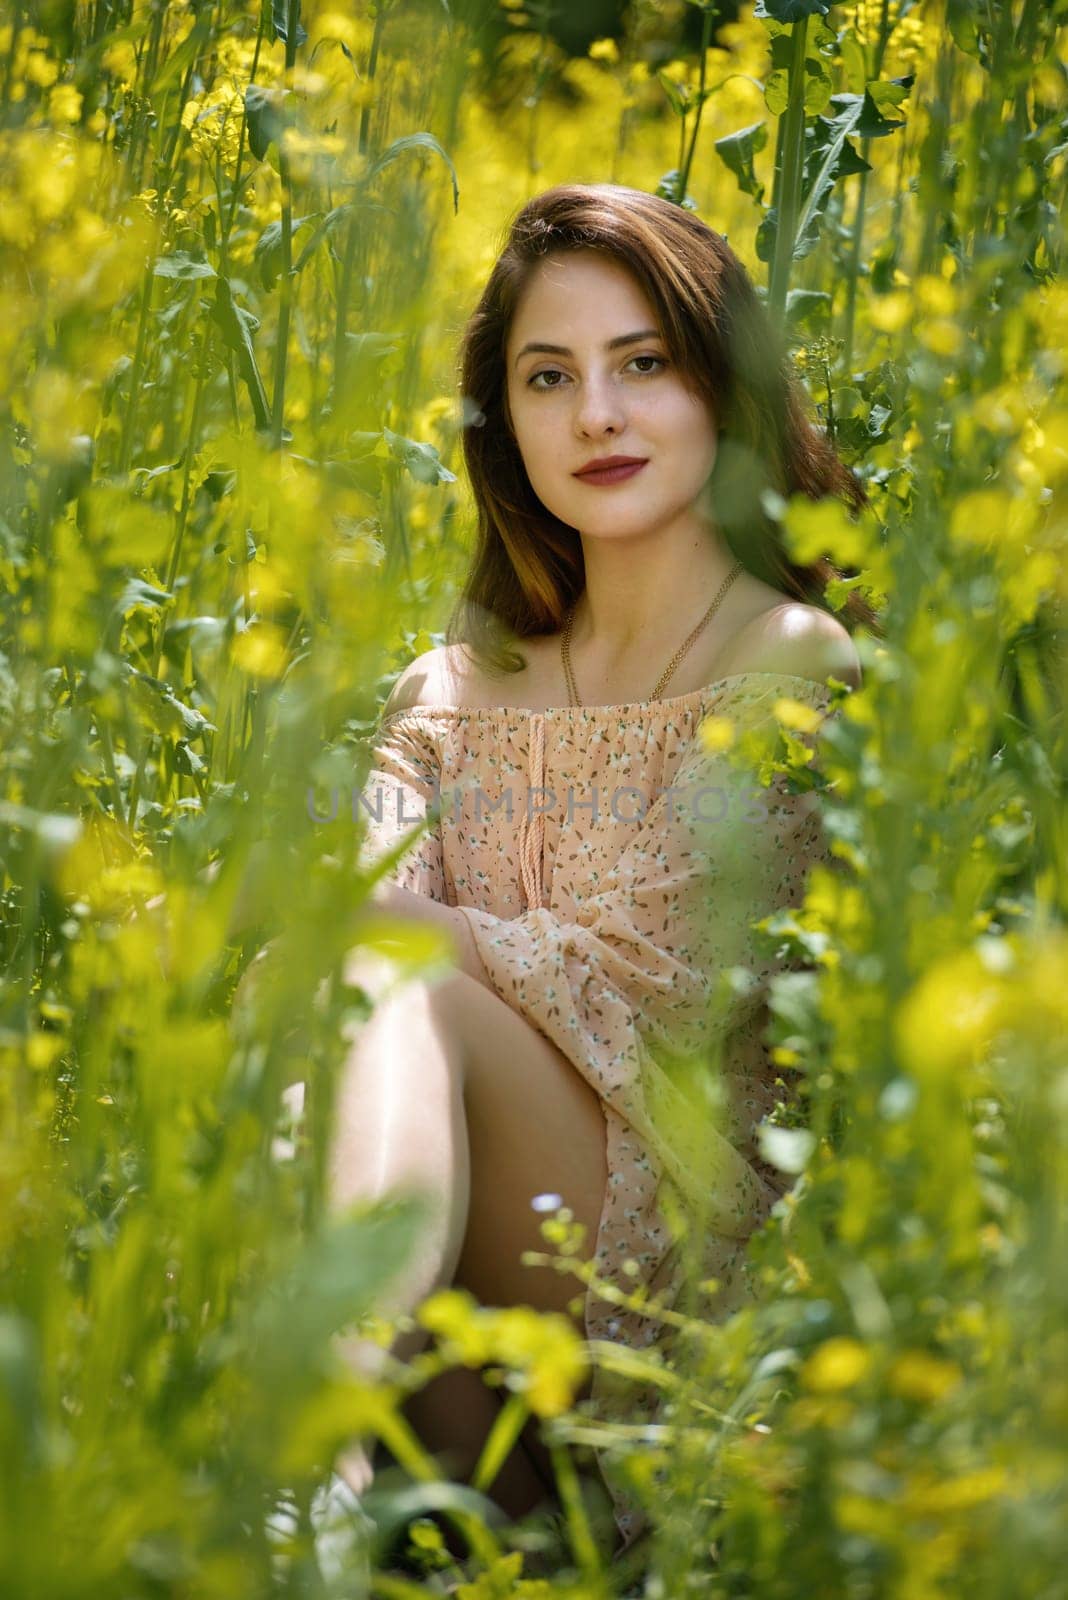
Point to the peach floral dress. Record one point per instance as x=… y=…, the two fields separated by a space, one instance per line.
x=609 y=866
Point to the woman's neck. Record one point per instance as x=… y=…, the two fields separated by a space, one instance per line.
x=629 y=615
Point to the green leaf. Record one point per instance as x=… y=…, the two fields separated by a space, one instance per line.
x=414 y=141
x=367 y=348
x=175 y=66
x=164 y=710
x=787 y=11
x=736 y=151
x=817 y=87
x=854 y=61
x=237 y=327
x=265 y=118
x=777 y=92
x=329 y=1282
x=421 y=460
x=829 y=158
x=280 y=21
x=890 y=91
x=188 y=761
x=803 y=305
x=668 y=189
x=138 y=595
x=678 y=94
x=267 y=252
x=182 y=265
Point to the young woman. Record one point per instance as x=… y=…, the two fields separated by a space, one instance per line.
x=627 y=402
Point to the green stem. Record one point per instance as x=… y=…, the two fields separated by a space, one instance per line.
x=176 y=552
x=856 y=242
x=349 y=256
x=507 y=1427
x=126 y=443
x=706 y=40
x=793 y=168
x=578 y=1523
x=285 y=284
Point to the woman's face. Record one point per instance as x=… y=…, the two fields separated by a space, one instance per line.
x=586 y=400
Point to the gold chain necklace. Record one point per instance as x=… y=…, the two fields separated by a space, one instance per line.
x=565 y=642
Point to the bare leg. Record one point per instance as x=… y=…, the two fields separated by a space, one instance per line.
x=448 y=1091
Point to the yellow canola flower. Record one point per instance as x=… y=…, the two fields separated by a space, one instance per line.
x=1046 y=445
x=41 y=70
x=544 y=1348
x=987 y=518
x=796 y=715
x=452 y=1315
x=919 y=1375
x=935 y=1497
x=837 y=1364
x=120 y=60
x=950 y=1016
x=891 y=312
x=941 y=335
x=64 y=103
x=717 y=733
x=604 y=50
x=261 y=650
x=935 y=296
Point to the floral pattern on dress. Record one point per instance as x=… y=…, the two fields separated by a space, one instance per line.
x=621 y=966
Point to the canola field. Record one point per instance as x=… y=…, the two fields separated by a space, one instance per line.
x=238 y=244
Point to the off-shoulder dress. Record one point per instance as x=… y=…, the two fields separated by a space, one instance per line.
x=610 y=865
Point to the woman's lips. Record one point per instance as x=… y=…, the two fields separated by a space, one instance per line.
x=611 y=474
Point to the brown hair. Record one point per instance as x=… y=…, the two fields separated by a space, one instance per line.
x=527 y=568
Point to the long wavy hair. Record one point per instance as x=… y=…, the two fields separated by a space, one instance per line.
x=527 y=568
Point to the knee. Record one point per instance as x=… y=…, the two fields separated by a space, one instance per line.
x=384 y=981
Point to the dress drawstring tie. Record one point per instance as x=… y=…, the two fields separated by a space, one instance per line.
x=532 y=829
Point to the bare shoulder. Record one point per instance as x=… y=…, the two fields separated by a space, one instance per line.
x=439 y=677
x=797 y=639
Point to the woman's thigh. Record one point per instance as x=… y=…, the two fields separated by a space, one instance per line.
x=535 y=1127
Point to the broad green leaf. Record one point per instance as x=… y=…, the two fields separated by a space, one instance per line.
x=668 y=189
x=736 y=151
x=787 y=11
x=854 y=61
x=280 y=21
x=872 y=124
x=182 y=265
x=267 y=253
x=237 y=327
x=164 y=710
x=421 y=460
x=890 y=91
x=817 y=86
x=777 y=92
x=806 y=305
x=141 y=596
x=829 y=158
x=265 y=118
x=326 y=1285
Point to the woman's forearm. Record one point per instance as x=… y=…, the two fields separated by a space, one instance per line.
x=394 y=900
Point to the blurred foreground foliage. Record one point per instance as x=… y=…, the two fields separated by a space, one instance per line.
x=238 y=245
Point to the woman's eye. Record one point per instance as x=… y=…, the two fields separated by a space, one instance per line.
x=554 y=372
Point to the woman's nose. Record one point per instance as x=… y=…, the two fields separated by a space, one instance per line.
x=599 y=406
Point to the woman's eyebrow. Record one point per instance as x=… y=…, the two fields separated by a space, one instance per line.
x=610 y=344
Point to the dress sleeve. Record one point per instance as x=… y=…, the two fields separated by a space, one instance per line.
x=637 y=977
x=397 y=805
